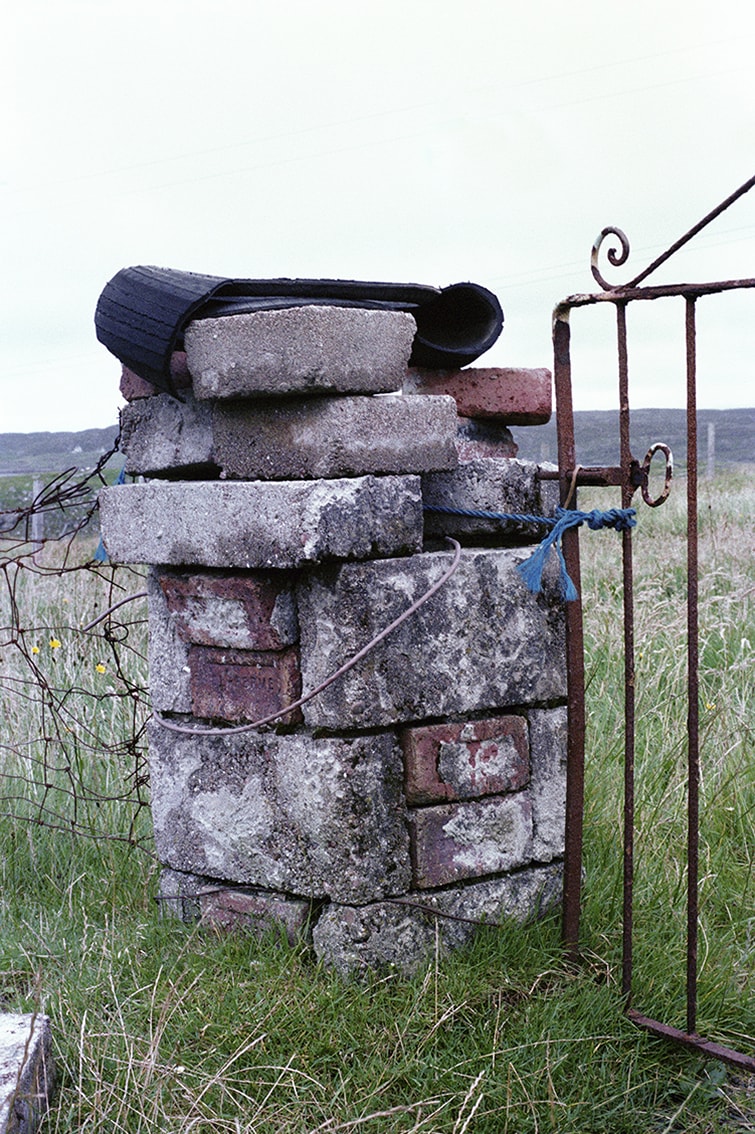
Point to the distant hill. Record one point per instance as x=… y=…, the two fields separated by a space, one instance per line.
x=53 y=452
x=597 y=436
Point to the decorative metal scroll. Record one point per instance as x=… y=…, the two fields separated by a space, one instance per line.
x=630 y=475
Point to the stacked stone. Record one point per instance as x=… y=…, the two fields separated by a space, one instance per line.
x=284 y=523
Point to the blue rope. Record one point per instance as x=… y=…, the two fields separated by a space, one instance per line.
x=531 y=570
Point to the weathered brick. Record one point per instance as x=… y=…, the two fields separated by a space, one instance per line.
x=309 y=349
x=453 y=761
x=298 y=814
x=253 y=611
x=254 y=524
x=133 y=387
x=255 y=911
x=512 y=396
x=244 y=685
x=470 y=840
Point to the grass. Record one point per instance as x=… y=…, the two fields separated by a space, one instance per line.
x=159 y=1026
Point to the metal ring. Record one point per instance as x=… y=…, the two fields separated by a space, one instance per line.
x=658 y=447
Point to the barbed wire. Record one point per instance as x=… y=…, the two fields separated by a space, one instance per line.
x=73 y=701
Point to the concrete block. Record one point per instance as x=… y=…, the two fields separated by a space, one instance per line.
x=261 y=524
x=548 y=736
x=512 y=396
x=480 y=439
x=400 y=935
x=298 y=439
x=167 y=654
x=253 y=611
x=488 y=485
x=311 y=816
x=332 y=437
x=255 y=911
x=453 y=761
x=299 y=350
x=481 y=643
x=161 y=435
x=470 y=839
x=244 y=685
x=27 y=1072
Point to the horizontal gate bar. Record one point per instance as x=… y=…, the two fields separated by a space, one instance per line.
x=693 y=1041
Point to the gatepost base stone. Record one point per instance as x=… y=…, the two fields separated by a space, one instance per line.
x=422 y=793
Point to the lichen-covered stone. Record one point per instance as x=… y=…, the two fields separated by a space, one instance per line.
x=482 y=642
x=548 y=736
x=288 y=439
x=311 y=816
x=168 y=654
x=400 y=935
x=27 y=1071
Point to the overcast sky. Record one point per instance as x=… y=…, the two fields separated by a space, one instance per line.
x=409 y=140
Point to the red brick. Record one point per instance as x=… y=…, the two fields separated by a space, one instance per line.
x=512 y=396
x=233 y=909
x=470 y=840
x=465 y=761
x=244 y=685
x=248 y=612
x=134 y=387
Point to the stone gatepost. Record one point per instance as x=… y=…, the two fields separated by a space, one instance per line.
x=283 y=516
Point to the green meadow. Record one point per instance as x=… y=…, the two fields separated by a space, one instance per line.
x=162 y=1026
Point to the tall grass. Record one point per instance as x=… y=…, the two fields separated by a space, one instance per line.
x=160 y=1026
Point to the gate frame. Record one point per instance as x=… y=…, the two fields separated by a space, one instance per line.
x=630 y=475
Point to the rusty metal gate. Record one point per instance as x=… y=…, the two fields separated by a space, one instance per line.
x=630 y=475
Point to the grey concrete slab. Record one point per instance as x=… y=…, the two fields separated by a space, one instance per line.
x=294 y=439
x=259 y=524
x=489 y=485
x=27 y=1072
x=299 y=350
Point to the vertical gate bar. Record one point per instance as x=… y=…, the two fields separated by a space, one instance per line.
x=575 y=662
x=693 y=747
x=627 y=490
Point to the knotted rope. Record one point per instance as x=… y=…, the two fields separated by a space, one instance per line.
x=531 y=570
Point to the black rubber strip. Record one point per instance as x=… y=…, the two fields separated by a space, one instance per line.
x=142 y=312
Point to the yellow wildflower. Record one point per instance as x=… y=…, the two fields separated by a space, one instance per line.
x=101 y=668
x=55 y=644
x=35 y=649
